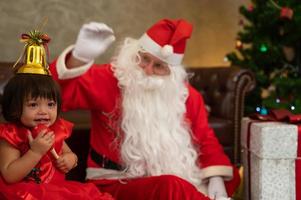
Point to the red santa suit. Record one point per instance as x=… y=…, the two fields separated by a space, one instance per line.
x=45 y=181
x=97 y=90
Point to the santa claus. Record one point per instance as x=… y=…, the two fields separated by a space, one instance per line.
x=150 y=138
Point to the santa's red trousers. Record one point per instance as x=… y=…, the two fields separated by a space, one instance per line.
x=164 y=187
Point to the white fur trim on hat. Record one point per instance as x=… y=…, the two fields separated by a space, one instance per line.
x=166 y=50
x=164 y=53
x=64 y=72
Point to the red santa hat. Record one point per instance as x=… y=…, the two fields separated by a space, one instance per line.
x=167 y=40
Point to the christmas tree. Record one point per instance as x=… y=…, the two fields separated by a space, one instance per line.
x=269 y=44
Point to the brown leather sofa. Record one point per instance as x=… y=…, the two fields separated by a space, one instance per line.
x=223 y=88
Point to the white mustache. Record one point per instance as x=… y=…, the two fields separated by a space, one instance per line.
x=151 y=82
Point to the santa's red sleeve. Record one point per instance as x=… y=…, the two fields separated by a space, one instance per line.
x=85 y=89
x=212 y=158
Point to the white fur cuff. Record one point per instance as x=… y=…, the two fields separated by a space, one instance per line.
x=101 y=173
x=64 y=72
x=218 y=170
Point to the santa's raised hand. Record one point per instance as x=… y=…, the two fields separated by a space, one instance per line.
x=93 y=39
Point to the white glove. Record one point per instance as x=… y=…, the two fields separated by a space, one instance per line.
x=216 y=188
x=93 y=39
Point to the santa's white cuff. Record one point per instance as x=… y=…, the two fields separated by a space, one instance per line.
x=64 y=72
x=224 y=171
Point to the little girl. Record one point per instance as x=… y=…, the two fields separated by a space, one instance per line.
x=33 y=154
x=29 y=166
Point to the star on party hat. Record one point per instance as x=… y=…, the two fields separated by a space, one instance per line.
x=167 y=40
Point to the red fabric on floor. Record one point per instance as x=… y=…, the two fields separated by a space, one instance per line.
x=165 y=187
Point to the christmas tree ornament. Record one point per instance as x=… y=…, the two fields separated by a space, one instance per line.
x=226 y=59
x=263 y=48
x=250 y=8
x=264 y=93
x=286 y=13
x=238 y=44
x=263 y=111
x=258 y=109
x=35 y=60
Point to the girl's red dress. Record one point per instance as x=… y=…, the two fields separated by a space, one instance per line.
x=45 y=181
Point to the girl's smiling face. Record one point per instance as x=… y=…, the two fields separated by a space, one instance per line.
x=38 y=111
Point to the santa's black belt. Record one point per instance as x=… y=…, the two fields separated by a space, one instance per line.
x=103 y=161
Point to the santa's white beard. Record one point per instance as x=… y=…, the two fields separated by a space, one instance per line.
x=156 y=137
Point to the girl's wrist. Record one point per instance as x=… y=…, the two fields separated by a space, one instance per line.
x=34 y=153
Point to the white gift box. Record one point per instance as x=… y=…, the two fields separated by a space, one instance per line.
x=269 y=150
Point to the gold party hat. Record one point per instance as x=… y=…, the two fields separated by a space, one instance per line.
x=35 y=61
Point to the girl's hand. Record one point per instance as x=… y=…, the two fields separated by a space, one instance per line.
x=66 y=162
x=42 y=143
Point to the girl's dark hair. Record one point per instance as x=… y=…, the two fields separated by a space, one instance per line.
x=23 y=86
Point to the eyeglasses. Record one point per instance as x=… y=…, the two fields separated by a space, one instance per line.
x=150 y=62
